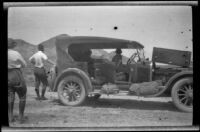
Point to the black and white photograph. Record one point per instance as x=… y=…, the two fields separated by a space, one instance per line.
x=104 y=66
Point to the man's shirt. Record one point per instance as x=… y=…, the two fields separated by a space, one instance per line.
x=15 y=60
x=39 y=57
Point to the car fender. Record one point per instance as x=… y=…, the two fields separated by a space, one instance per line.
x=78 y=72
x=177 y=77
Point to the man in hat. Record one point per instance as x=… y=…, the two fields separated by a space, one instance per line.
x=39 y=71
x=16 y=82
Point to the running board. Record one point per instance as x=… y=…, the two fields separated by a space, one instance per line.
x=126 y=92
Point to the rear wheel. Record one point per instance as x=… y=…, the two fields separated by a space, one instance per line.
x=182 y=94
x=71 y=90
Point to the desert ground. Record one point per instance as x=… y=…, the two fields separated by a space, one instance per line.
x=107 y=111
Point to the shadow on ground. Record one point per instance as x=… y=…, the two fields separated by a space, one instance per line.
x=126 y=104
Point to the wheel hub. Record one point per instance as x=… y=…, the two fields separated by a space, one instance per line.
x=70 y=91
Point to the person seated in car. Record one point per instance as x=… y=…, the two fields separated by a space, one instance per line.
x=118 y=57
x=120 y=76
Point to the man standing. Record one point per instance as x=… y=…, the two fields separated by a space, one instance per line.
x=39 y=71
x=16 y=82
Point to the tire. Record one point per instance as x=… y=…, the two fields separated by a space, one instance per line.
x=71 y=90
x=182 y=94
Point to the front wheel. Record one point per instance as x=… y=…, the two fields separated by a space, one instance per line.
x=71 y=90
x=182 y=94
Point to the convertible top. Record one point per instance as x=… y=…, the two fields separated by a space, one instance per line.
x=92 y=42
x=70 y=47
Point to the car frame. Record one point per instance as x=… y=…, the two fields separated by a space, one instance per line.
x=75 y=84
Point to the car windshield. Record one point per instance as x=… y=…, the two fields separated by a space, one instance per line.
x=141 y=54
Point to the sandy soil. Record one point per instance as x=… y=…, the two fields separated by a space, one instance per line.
x=108 y=111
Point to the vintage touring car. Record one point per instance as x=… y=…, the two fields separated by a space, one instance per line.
x=79 y=77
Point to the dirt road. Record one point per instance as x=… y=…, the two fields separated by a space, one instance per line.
x=109 y=111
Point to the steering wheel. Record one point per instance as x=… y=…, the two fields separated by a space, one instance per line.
x=132 y=58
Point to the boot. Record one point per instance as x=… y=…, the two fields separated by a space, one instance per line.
x=43 y=93
x=22 y=105
x=10 y=107
x=38 y=94
x=10 y=111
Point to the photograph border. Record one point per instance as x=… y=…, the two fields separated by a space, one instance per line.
x=193 y=4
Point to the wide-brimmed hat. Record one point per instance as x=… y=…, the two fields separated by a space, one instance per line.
x=11 y=43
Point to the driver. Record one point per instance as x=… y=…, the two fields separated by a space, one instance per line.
x=118 y=57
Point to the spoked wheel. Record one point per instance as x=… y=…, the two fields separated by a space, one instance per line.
x=182 y=94
x=71 y=90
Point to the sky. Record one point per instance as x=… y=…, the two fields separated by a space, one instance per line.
x=153 y=26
